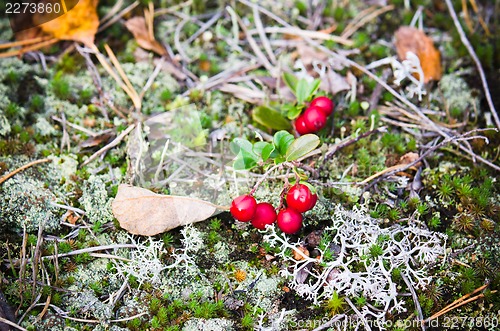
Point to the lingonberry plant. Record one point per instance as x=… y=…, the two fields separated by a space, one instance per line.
x=284 y=151
x=314 y=117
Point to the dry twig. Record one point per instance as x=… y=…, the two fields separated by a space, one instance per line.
x=18 y=170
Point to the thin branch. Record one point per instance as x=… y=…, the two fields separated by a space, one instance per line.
x=18 y=170
x=415 y=300
x=112 y=144
x=6 y=321
x=472 y=53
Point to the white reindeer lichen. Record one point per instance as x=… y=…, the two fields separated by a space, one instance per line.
x=348 y=266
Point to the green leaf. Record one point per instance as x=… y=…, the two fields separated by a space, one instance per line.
x=270 y=118
x=268 y=151
x=302 y=146
x=245 y=161
x=245 y=156
x=290 y=80
x=238 y=144
x=294 y=112
x=313 y=87
x=302 y=91
x=282 y=140
x=259 y=146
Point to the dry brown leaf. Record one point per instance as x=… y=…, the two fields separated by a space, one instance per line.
x=78 y=24
x=413 y=40
x=137 y=25
x=143 y=212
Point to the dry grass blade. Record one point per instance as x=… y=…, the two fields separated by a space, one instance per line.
x=118 y=16
x=112 y=144
x=371 y=14
x=131 y=93
x=29 y=48
x=134 y=96
x=460 y=302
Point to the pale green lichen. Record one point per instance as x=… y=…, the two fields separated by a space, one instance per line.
x=87 y=305
x=24 y=201
x=213 y=324
x=95 y=200
x=456 y=93
x=93 y=273
x=43 y=127
x=4 y=125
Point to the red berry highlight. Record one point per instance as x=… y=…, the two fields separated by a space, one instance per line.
x=243 y=208
x=324 y=104
x=300 y=198
x=314 y=119
x=301 y=127
x=289 y=221
x=264 y=215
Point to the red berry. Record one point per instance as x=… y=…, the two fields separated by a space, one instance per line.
x=324 y=104
x=300 y=126
x=243 y=208
x=289 y=221
x=264 y=215
x=314 y=118
x=300 y=198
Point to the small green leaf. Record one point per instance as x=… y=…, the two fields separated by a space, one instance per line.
x=245 y=161
x=259 y=146
x=294 y=112
x=268 y=151
x=302 y=146
x=302 y=91
x=245 y=156
x=313 y=87
x=270 y=118
x=238 y=144
x=290 y=80
x=282 y=140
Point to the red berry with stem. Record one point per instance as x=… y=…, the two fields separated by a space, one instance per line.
x=325 y=104
x=300 y=198
x=264 y=215
x=289 y=221
x=314 y=119
x=243 y=208
x=300 y=126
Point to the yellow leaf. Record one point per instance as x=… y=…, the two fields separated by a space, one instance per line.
x=143 y=212
x=78 y=24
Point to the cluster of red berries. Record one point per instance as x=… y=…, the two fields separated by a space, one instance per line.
x=299 y=199
x=314 y=117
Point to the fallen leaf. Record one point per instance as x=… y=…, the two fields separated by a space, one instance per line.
x=78 y=24
x=413 y=40
x=142 y=212
x=137 y=25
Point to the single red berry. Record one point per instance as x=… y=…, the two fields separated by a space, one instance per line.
x=314 y=118
x=243 y=208
x=289 y=221
x=300 y=198
x=325 y=104
x=264 y=215
x=300 y=126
